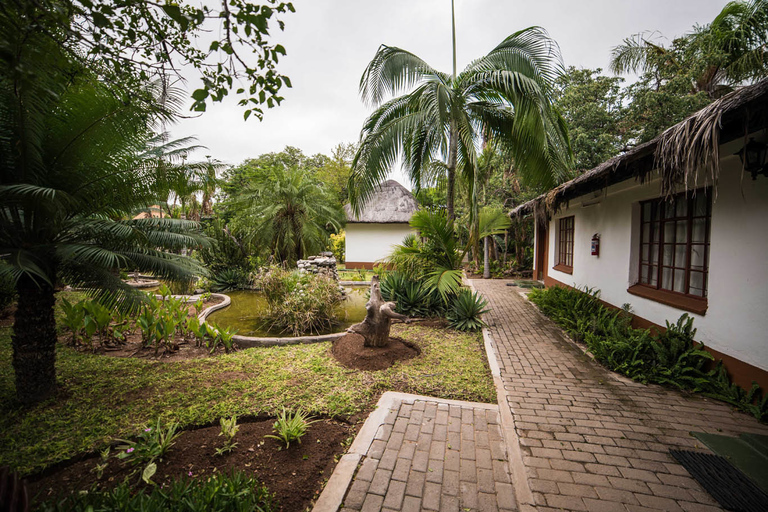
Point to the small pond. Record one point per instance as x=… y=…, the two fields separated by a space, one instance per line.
x=245 y=313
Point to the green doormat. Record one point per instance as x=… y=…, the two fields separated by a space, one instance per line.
x=527 y=283
x=748 y=452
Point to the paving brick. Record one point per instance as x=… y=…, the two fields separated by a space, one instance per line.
x=435 y=470
x=431 y=499
x=367 y=469
x=402 y=468
x=380 y=482
x=372 y=503
x=468 y=495
x=415 y=484
x=395 y=494
x=411 y=504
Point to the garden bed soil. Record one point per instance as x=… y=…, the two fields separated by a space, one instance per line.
x=350 y=352
x=295 y=476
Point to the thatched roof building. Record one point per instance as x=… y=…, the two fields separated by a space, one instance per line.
x=392 y=203
x=682 y=154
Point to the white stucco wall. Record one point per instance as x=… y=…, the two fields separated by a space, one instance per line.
x=369 y=242
x=736 y=320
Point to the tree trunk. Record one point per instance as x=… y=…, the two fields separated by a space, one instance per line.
x=453 y=149
x=34 y=342
x=378 y=318
x=486 y=259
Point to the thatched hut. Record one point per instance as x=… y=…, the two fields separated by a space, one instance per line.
x=676 y=225
x=382 y=223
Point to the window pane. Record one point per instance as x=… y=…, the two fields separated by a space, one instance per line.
x=680 y=281
x=655 y=253
x=700 y=205
x=681 y=206
x=698 y=252
x=669 y=232
x=681 y=235
x=680 y=255
x=667 y=256
x=669 y=210
x=666 y=278
x=644 y=253
x=697 y=284
x=644 y=269
x=646 y=212
x=654 y=276
x=646 y=233
x=655 y=230
x=699 y=231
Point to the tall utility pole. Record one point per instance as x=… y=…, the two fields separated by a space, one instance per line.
x=453 y=30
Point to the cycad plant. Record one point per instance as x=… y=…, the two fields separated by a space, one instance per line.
x=73 y=165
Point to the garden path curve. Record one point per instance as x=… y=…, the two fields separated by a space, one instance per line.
x=583 y=438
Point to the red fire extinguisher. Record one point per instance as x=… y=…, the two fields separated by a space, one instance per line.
x=596 y=245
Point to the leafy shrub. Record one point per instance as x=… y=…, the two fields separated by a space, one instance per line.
x=229 y=279
x=234 y=492
x=338 y=245
x=671 y=358
x=466 y=310
x=300 y=303
x=291 y=427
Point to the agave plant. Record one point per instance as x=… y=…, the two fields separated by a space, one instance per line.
x=466 y=311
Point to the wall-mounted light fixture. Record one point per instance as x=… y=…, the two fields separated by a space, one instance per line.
x=752 y=157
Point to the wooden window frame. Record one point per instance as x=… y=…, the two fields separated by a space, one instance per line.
x=565 y=244
x=680 y=300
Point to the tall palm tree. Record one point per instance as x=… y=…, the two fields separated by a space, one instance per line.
x=439 y=120
x=288 y=211
x=74 y=163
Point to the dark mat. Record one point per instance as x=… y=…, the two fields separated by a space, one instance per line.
x=744 y=452
x=729 y=486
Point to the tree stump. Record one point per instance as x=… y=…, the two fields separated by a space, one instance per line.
x=378 y=318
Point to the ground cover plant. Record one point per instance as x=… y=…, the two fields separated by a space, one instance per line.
x=670 y=358
x=103 y=398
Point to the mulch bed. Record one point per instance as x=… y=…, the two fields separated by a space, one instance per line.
x=350 y=352
x=295 y=475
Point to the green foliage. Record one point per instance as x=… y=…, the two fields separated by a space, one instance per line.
x=227 y=250
x=151 y=445
x=229 y=430
x=291 y=427
x=218 y=336
x=592 y=105
x=300 y=303
x=411 y=298
x=222 y=492
x=288 y=211
x=466 y=311
x=671 y=358
x=7 y=290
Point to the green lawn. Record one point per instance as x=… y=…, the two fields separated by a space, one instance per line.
x=104 y=397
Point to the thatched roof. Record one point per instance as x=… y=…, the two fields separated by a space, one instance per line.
x=681 y=154
x=392 y=203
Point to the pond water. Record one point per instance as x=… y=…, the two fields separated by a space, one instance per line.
x=246 y=313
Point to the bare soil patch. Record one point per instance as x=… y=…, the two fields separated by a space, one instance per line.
x=350 y=352
x=294 y=475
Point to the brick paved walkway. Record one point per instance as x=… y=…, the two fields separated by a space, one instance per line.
x=429 y=455
x=590 y=439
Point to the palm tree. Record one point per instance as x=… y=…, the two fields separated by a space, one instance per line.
x=74 y=163
x=717 y=57
x=289 y=212
x=439 y=120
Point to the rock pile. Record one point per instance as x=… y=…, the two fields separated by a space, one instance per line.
x=323 y=264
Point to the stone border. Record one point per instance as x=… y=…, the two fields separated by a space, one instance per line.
x=355 y=283
x=517 y=468
x=333 y=494
x=252 y=341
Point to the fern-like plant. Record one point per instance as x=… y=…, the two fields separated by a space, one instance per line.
x=291 y=427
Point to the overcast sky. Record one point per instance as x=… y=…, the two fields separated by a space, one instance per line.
x=330 y=42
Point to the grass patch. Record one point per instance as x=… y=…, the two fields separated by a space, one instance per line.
x=103 y=398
